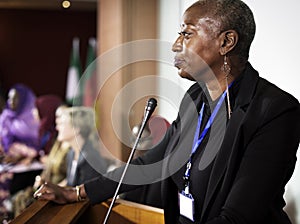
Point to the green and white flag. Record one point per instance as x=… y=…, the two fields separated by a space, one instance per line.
x=73 y=93
x=89 y=78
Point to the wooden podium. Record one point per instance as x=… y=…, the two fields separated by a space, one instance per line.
x=123 y=212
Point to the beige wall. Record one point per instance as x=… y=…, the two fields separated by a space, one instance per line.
x=121 y=21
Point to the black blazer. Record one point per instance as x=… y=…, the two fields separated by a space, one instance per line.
x=90 y=164
x=252 y=162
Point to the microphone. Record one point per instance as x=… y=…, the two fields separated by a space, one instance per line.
x=149 y=108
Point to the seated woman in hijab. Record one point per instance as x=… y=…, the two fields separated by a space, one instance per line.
x=18 y=137
x=19 y=129
x=46 y=106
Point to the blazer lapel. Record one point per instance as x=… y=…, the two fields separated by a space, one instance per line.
x=246 y=92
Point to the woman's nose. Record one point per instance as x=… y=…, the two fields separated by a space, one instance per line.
x=177 y=46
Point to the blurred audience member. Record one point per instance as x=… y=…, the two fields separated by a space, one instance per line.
x=18 y=126
x=18 y=137
x=77 y=127
x=55 y=166
x=54 y=170
x=46 y=106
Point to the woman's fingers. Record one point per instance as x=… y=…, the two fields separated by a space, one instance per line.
x=46 y=196
x=43 y=189
x=51 y=192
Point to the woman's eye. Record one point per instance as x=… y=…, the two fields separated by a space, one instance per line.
x=184 y=34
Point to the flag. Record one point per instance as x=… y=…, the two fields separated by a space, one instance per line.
x=89 y=79
x=73 y=96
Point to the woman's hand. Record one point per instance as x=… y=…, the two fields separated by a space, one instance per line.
x=20 y=149
x=52 y=192
x=38 y=182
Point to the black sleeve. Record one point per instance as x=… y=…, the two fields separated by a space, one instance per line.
x=142 y=171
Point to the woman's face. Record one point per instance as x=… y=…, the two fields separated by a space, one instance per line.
x=197 y=47
x=64 y=127
x=13 y=99
x=35 y=113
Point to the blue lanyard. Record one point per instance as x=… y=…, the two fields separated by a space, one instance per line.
x=198 y=139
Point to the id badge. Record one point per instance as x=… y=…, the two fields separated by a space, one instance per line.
x=186 y=205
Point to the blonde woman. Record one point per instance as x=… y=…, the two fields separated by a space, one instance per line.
x=77 y=128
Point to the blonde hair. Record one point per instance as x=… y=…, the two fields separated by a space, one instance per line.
x=83 y=119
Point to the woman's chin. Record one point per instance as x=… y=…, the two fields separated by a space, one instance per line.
x=185 y=75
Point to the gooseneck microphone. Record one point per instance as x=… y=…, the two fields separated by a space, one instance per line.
x=150 y=107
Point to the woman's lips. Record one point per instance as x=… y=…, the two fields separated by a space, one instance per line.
x=178 y=62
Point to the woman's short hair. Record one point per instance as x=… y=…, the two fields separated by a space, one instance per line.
x=232 y=15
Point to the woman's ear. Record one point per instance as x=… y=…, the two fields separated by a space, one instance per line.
x=229 y=40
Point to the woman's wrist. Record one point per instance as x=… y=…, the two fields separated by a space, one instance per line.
x=77 y=194
x=70 y=195
x=82 y=191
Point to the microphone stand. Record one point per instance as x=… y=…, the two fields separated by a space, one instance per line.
x=148 y=111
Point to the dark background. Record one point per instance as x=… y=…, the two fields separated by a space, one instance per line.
x=35 y=46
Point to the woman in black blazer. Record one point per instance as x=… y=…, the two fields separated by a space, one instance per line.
x=232 y=149
x=76 y=127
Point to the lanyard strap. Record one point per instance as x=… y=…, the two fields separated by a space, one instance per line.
x=198 y=139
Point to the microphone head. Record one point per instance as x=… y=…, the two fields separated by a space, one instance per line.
x=150 y=107
x=151 y=104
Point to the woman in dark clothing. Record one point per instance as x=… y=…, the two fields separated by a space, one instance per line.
x=76 y=127
x=227 y=157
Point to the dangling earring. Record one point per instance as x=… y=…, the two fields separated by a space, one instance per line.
x=226 y=69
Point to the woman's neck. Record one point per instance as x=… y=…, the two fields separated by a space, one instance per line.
x=216 y=86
